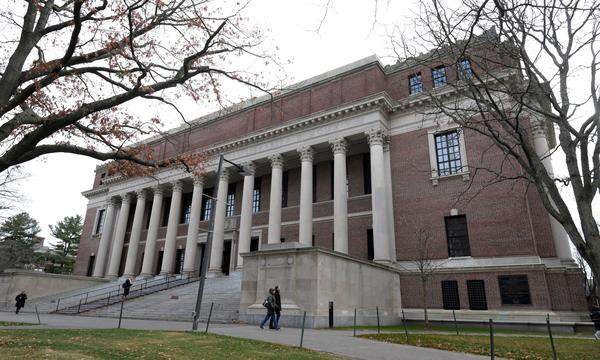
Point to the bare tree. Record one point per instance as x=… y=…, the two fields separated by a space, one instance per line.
x=69 y=66
x=533 y=74
x=425 y=266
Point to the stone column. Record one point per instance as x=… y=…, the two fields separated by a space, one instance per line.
x=274 y=233
x=191 y=244
x=155 y=218
x=389 y=196
x=174 y=216
x=340 y=196
x=306 y=196
x=117 y=248
x=136 y=233
x=379 y=206
x=561 y=239
x=216 y=251
x=246 y=213
x=107 y=230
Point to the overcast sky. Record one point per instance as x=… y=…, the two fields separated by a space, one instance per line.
x=54 y=185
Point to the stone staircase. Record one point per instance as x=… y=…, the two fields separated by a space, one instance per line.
x=178 y=303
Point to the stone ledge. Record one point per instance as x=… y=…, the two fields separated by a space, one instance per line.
x=13 y=272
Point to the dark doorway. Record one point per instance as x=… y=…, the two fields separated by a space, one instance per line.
x=226 y=257
x=90 y=268
x=179 y=256
x=370 y=248
x=254 y=243
x=122 y=263
x=159 y=262
x=200 y=257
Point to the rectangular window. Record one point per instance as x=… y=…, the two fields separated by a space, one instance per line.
x=187 y=208
x=438 y=75
x=314 y=183
x=254 y=243
x=256 y=195
x=102 y=176
x=514 y=290
x=477 y=299
x=166 y=210
x=367 y=173
x=100 y=221
x=465 y=71
x=230 y=207
x=450 y=297
x=284 y=188
x=457 y=236
x=370 y=248
x=447 y=151
x=415 y=84
x=206 y=205
x=331 y=171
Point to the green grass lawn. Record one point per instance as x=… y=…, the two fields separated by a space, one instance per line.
x=139 y=344
x=511 y=347
x=10 y=323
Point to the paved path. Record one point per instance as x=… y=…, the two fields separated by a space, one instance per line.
x=336 y=342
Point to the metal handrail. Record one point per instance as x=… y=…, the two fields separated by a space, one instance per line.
x=141 y=286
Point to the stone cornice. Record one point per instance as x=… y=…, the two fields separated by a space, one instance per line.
x=95 y=192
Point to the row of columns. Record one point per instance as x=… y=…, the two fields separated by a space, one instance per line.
x=383 y=228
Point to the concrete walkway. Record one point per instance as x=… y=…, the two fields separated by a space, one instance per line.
x=337 y=342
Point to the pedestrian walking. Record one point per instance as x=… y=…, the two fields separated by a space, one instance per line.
x=595 y=316
x=126 y=286
x=269 y=304
x=20 y=301
x=276 y=309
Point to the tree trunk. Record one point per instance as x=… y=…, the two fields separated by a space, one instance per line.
x=425 y=316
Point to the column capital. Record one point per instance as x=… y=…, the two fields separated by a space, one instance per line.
x=386 y=144
x=199 y=180
x=375 y=136
x=125 y=197
x=177 y=186
x=112 y=201
x=140 y=194
x=157 y=190
x=338 y=145
x=306 y=153
x=276 y=160
x=249 y=168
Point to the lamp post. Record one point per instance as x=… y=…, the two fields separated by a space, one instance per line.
x=207 y=249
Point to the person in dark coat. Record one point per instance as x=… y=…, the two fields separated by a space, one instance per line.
x=277 y=309
x=20 y=301
x=126 y=286
x=270 y=305
x=595 y=316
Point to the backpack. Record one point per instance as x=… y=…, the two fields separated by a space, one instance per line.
x=267 y=303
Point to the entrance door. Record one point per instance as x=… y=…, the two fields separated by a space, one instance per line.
x=226 y=257
x=200 y=257
x=159 y=262
x=179 y=256
x=90 y=268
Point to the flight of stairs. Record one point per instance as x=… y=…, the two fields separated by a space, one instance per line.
x=178 y=303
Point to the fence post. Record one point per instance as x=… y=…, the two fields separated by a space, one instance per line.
x=108 y=299
x=378 y=326
x=79 y=306
x=302 y=332
x=209 y=315
x=38 y=315
x=354 y=333
x=120 y=314
x=554 y=356
x=167 y=281
x=455 y=324
x=404 y=324
x=492 y=356
x=86 y=297
x=57 y=304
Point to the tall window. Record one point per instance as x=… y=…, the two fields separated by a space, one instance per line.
x=415 y=84
x=465 y=71
x=166 y=211
x=514 y=289
x=447 y=150
x=314 y=180
x=230 y=208
x=256 y=195
x=206 y=204
x=102 y=176
x=100 y=221
x=187 y=208
x=367 y=173
x=438 y=75
x=370 y=248
x=284 y=188
x=331 y=179
x=476 y=291
x=457 y=236
x=450 y=297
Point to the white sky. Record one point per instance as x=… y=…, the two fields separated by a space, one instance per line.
x=54 y=185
